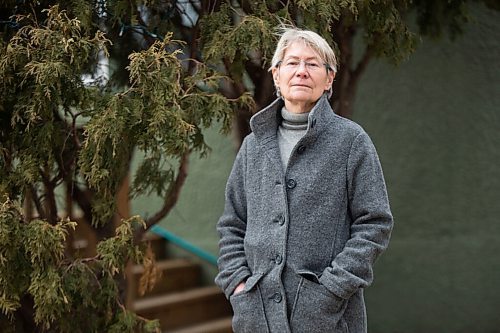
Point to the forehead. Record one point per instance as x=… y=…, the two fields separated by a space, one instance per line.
x=300 y=49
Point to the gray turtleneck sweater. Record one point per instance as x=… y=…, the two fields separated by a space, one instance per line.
x=290 y=131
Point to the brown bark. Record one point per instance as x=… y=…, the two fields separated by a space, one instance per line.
x=349 y=74
x=33 y=196
x=49 y=197
x=341 y=92
x=26 y=314
x=263 y=81
x=264 y=95
x=233 y=89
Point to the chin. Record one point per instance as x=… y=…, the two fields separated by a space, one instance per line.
x=300 y=98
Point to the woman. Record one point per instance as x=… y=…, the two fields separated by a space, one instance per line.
x=306 y=211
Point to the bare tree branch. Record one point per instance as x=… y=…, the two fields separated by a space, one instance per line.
x=237 y=88
x=343 y=35
x=82 y=198
x=260 y=78
x=50 y=199
x=36 y=200
x=362 y=64
x=170 y=199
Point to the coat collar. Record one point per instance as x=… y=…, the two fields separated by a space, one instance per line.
x=265 y=123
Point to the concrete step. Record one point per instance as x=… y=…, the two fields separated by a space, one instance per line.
x=176 y=275
x=184 y=308
x=222 y=325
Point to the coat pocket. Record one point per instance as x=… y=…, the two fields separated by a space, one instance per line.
x=248 y=308
x=316 y=309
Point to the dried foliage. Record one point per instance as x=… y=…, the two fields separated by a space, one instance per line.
x=151 y=273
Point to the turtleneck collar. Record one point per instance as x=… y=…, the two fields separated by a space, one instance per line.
x=265 y=122
x=294 y=121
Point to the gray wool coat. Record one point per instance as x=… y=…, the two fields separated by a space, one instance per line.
x=304 y=240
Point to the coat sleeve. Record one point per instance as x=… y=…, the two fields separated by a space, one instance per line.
x=371 y=224
x=232 y=263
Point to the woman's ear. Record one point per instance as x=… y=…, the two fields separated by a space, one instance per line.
x=329 y=79
x=275 y=73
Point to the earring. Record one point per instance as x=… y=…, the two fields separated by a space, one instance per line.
x=278 y=92
x=330 y=92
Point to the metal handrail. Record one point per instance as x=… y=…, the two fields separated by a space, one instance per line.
x=182 y=243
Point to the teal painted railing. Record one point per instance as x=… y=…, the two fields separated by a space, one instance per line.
x=182 y=243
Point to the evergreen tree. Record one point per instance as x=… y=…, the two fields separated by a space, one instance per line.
x=175 y=68
x=63 y=134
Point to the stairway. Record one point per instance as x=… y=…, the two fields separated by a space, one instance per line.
x=179 y=300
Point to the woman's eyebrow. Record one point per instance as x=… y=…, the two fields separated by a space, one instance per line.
x=297 y=57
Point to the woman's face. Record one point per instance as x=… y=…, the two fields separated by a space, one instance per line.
x=302 y=77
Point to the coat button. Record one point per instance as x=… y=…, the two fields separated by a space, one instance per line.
x=277 y=297
x=278 y=259
x=301 y=149
x=279 y=219
x=291 y=183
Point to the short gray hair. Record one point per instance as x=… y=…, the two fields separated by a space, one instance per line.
x=311 y=39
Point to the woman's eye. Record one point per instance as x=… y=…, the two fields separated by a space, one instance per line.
x=312 y=64
x=292 y=63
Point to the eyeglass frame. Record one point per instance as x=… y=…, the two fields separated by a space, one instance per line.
x=327 y=66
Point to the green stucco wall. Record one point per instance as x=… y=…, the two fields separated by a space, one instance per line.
x=435 y=121
x=202 y=198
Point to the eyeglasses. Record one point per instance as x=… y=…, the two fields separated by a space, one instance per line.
x=293 y=64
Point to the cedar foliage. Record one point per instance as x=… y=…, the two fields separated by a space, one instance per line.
x=177 y=67
x=61 y=133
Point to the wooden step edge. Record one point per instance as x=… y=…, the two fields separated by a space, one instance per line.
x=165 y=264
x=216 y=325
x=175 y=298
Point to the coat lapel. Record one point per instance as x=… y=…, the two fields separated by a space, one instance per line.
x=264 y=125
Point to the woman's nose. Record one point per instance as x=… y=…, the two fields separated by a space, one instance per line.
x=302 y=69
